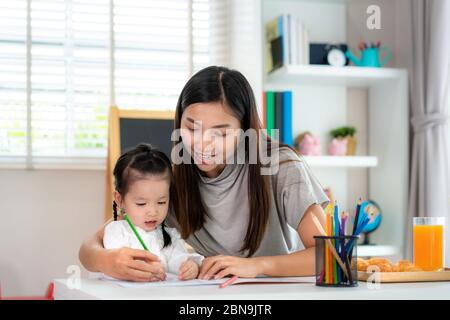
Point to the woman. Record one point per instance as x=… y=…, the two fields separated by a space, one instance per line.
x=247 y=217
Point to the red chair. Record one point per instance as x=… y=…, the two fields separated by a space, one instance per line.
x=48 y=295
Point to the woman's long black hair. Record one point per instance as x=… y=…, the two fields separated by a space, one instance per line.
x=144 y=160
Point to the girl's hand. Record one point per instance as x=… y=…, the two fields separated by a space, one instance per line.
x=188 y=270
x=218 y=267
x=132 y=265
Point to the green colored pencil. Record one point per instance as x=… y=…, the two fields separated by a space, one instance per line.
x=135 y=232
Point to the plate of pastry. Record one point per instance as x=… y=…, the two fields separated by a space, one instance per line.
x=383 y=270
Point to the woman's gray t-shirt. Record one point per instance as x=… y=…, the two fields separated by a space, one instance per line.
x=225 y=197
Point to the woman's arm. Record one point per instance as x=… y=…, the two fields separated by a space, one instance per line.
x=300 y=263
x=124 y=263
x=92 y=251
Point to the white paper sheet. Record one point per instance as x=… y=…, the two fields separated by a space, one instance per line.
x=172 y=281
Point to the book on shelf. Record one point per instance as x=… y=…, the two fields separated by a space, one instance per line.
x=286 y=133
x=270 y=111
x=278 y=114
x=287 y=42
x=263 y=111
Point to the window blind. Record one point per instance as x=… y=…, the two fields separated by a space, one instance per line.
x=13 y=77
x=86 y=55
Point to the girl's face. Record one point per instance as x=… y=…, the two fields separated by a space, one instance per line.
x=210 y=133
x=147 y=201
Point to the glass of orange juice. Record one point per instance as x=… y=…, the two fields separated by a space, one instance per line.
x=428 y=240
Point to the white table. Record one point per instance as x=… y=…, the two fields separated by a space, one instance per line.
x=98 y=289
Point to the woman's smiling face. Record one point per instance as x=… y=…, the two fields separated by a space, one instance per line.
x=210 y=133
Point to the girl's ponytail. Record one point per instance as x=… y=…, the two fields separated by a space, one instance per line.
x=115 y=210
x=166 y=236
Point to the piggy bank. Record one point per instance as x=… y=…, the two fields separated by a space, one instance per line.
x=337 y=147
x=309 y=145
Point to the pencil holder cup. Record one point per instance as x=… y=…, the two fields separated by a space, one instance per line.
x=336 y=261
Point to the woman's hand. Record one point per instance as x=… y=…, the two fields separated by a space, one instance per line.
x=218 y=267
x=132 y=265
x=188 y=270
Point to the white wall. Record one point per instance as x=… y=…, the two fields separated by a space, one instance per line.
x=245 y=48
x=44 y=217
x=394 y=31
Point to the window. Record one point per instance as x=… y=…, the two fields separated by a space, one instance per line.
x=64 y=62
x=13 y=77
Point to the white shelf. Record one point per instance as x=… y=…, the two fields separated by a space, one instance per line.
x=377 y=251
x=328 y=75
x=342 y=161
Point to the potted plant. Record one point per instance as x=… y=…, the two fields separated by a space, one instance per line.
x=346 y=133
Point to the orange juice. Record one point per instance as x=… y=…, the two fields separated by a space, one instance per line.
x=429 y=247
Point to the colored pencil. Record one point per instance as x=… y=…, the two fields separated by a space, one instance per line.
x=344 y=253
x=358 y=209
x=228 y=282
x=135 y=232
x=358 y=231
x=331 y=265
x=330 y=245
x=336 y=242
x=327 y=255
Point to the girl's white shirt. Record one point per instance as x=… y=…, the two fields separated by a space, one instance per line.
x=118 y=234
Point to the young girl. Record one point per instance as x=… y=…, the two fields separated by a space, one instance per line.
x=143 y=183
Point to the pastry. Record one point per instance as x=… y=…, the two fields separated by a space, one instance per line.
x=385 y=265
x=362 y=264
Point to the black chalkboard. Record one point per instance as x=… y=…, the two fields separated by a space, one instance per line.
x=157 y=132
